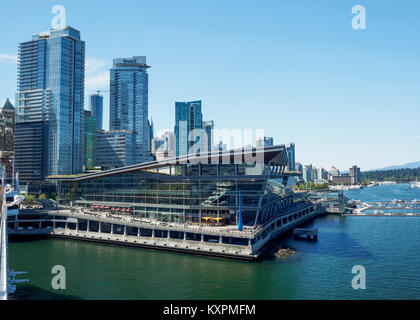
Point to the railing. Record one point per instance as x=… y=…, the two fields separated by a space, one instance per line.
x=172 y=226
x=3 y=249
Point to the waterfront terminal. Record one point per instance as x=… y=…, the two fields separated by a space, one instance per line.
x=226 y=204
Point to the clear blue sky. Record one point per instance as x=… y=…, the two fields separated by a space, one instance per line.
x=295 y=68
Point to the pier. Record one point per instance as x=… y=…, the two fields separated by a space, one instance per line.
x=393 y=205
x=222 y=241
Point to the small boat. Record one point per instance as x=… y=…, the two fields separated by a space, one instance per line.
x=415 y=184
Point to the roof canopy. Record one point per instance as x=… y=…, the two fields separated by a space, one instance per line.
x=276 y=155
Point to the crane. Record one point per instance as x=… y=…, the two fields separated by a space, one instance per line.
x=98 y=91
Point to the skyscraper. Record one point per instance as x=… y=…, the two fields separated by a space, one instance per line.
x=129 y=106
x=90 y=130
x=291 y=164
x=49 y=103
x=188 y=117
x=355 y=175
x=7 y=133
x=265 y=142
x=115 y=148
x=97 y=109
x=208 y=143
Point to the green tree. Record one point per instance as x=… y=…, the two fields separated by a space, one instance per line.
x=29 y=199
x=52 y=196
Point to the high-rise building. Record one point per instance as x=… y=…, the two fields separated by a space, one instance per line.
x=221 y=146
x=90 y=124
x=208 y=141
x=151 y=135
x=50 y=97
x=299 y=167
x=322 y=174
x=97 y=109
x=307 y=173
x=290 y=149
x=265 y=142
x=166 y=146
x=115 y=148
x=355 y=175
x=188 y=118
x=129 y=106
x=156 y=145
x=7 y=133
x=334 y=172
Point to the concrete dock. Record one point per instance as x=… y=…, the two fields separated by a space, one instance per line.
x=222 y=241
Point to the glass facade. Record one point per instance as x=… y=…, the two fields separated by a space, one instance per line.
x=90 y=140
x=290 y=149
x=187 y=192
x=115 y=149
x=96 y=108
x=129 y=105
x=188 y=117
x=51 y=73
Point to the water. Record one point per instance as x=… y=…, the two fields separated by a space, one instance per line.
x=388 y=247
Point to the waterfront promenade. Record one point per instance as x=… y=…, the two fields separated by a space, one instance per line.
x=224 y=241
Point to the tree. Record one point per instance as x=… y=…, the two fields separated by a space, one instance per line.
x=43 y=196
x=29 y=199
x=52 y=196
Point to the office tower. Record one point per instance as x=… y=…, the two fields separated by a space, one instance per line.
x=115 y=148
x=334 y=171
x=322 y=174
x=129 y=106
x=90 y=129
x=221 y=146
x=7 y=133
x=355 y=175
x=166 y=146
x=307 y=173
x=97 y=109
x=208 y=142
x=290 y=149
x=151 y=134
x=188 y=122
x=156 y=145
x=265 y=142
x=49 y=104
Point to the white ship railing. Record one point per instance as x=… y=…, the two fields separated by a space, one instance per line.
x=3 y=244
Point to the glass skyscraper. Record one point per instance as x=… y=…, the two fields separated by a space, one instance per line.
x=51 y=74
x=290 y=149
x=96 y=108
x=129 y=106
x=90 y=124
x=208 y=143
x=188 y=117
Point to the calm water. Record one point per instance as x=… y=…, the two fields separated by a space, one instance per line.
x=388 y=247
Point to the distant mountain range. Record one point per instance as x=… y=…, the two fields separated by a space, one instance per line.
x=411 y=165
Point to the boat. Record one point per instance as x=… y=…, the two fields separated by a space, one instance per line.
x=415 y=184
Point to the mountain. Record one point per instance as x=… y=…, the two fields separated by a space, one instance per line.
x=411 y=165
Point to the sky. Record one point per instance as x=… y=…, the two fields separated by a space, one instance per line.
x=296 y=69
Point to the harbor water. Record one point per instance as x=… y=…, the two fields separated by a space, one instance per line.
x=388 y=248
